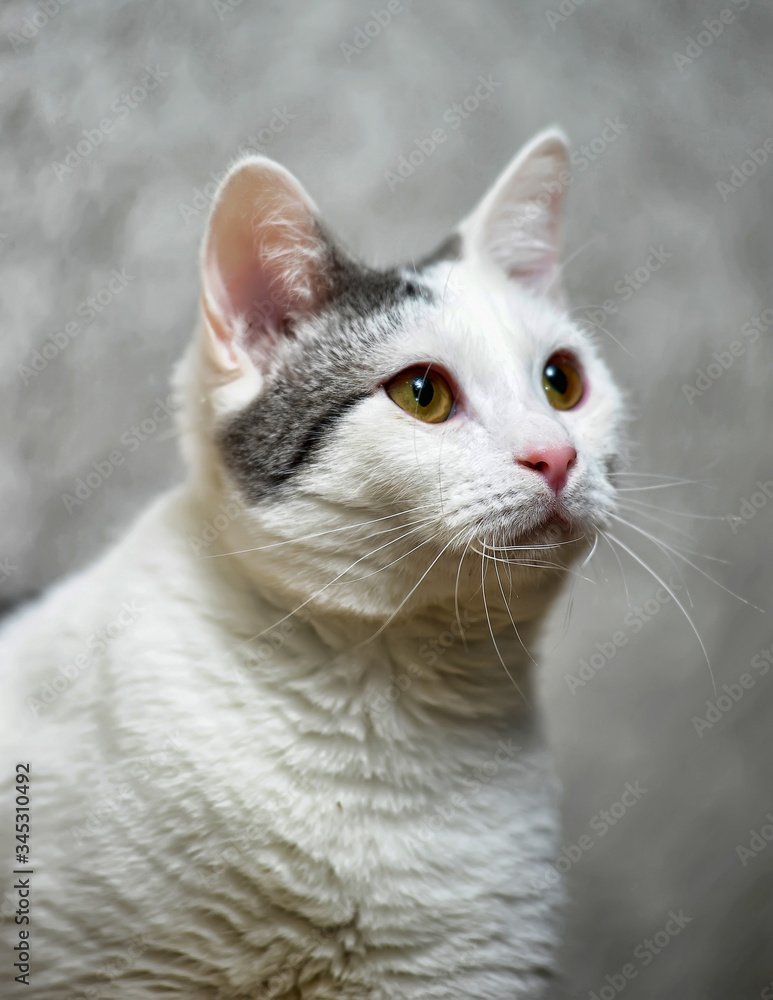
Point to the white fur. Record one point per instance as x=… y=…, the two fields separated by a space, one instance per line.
x=232 y=800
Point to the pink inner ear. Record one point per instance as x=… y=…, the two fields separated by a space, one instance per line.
x=523 y=238
x=264 y=259
x=538 y=271
x=517 y=223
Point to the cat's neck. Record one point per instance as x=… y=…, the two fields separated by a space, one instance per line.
x=466 y=653
x=467 y=661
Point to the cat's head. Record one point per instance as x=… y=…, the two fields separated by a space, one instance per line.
x=380 y=429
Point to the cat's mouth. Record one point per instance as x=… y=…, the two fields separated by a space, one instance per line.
x=552 y=525
x=551 y=522
x=557 y=516
x=543 y=520
x=554 y=511
x=556 y=527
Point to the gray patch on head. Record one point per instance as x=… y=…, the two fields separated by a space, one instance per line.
x=449 y=250
x=317 y=380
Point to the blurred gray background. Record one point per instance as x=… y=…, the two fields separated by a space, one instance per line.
x=280 y=76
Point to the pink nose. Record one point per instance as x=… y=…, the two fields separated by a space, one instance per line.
x=553 y=462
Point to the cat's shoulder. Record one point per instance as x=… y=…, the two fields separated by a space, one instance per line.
x=54 y=644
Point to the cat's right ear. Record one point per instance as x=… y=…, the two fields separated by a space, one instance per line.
x=516 y=226
x=264 y=263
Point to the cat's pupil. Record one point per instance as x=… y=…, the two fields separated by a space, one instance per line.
x=557 y=378
x=423 y=391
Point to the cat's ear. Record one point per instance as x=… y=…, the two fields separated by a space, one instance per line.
x=516 y=225
x=265 y=263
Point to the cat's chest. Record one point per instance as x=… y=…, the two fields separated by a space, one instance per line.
x=339 y=815
x=305 y=830
x=369 y=857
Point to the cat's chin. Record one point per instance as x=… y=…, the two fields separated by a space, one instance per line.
x=560 y=520
x=555 y=525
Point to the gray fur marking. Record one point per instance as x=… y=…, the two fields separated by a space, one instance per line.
x=315 y=384
x=449 y=250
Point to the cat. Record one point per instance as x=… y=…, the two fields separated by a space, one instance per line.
x=281 y=740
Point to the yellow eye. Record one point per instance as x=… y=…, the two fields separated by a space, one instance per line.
x=423 y=393
x=562 y=382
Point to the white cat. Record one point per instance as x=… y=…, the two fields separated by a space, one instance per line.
x=281 y=739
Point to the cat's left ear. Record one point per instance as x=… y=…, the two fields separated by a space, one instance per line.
x=266 y=264
x=516 y=225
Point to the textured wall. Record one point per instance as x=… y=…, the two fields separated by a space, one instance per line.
x=276 y=74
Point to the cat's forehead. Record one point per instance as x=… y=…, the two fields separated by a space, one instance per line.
x=485 y=320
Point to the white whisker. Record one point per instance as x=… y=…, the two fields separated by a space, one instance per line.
x=680 y=555
x=568 y=613
x=677 y=569
x=676 y=600
x=664 y=486
x=358 y=579
x=622 y=571
x=528 y=548
x=532 y=565
x=456 y=593
x=491 y=630
x=685 y=534
x=644 y=475
x=656 y=520
x=598 y=326
x=411 y=591
x=510 y=616
x=679 y=513
x=319 y=534
x=308 y=600
x=589 y=556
